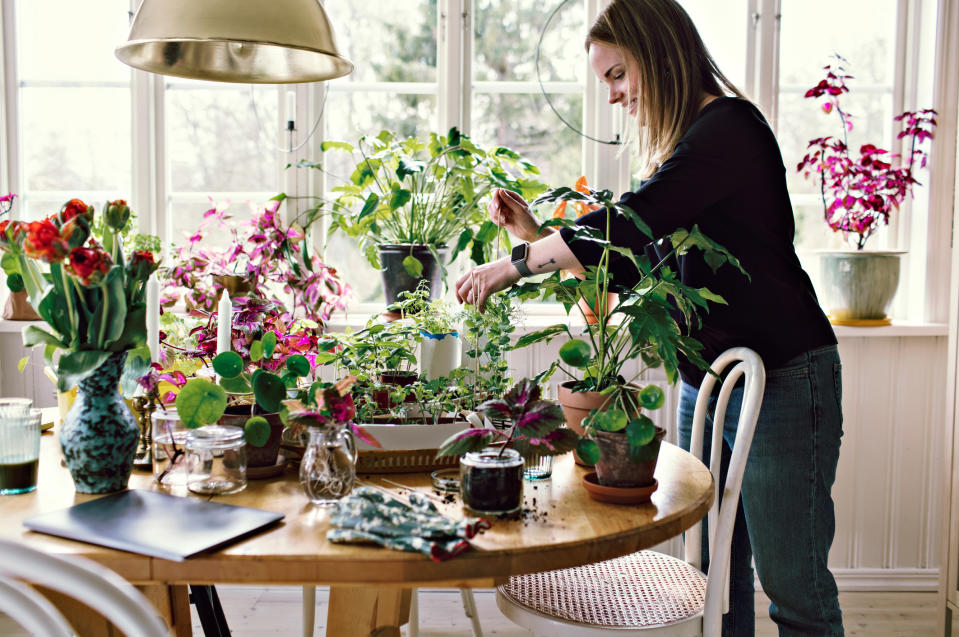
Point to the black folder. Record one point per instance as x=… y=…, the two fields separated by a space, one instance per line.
x=153 y=523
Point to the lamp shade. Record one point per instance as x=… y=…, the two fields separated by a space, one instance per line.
x=250 y=41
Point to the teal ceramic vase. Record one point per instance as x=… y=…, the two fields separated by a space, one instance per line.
x=99 y=434
x=857 y=288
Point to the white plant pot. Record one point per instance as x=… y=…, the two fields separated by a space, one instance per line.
x=440 y=354
x=858 y=286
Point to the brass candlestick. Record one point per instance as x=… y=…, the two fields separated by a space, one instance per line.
x=143 y=408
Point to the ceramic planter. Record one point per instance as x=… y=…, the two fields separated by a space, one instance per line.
x=395 y=277
x=265 y=456
x=440 y=354
x=18 y=308
x=576 y=406
x=857 y=287
x=615 y=467
x=491 y=481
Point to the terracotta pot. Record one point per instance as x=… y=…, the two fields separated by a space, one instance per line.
x=394 y=377
x=266 y=455
x=18 y=308
x=616 y=469
x=588 y=309
x=235 y=285
x=576 y=406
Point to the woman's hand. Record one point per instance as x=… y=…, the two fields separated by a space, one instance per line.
x=510 y=211
x=478 y=284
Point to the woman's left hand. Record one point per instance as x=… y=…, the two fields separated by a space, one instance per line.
x=478 y=284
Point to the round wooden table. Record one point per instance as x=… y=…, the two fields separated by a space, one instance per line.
x=561 y=527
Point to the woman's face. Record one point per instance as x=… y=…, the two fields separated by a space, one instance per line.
x=619 y=74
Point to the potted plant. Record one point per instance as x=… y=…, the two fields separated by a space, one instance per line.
x=491 y=480
x=415 y=204
x=858 y=195
x=249 y=393
x=488 y=338
x=17 y=308
x=639 y=326
x=437 y=321
x=91 y=296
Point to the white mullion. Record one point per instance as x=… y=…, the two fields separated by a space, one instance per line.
x=767 y=80
x=466 y=66
x=449 y=65
x=315 y=180
x=158 y=167
x=11 y=97
x=143 y=153
x=605 y=165
x=752 y=30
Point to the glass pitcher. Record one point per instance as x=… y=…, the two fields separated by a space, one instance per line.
x=328 y=468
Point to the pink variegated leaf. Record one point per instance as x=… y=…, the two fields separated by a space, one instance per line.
x=466 y=441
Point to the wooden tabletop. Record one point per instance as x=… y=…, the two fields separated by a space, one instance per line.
x=561 y=526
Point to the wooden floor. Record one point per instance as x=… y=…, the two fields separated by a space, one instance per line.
x=263 y=612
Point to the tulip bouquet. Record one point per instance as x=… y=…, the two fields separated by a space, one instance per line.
x=80 y=282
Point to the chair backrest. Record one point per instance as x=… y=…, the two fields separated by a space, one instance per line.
x=96 y=586
x=722 y=517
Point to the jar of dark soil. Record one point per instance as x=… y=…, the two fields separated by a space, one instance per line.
x=491 y=481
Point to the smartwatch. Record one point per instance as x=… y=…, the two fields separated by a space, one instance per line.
x=518 y=258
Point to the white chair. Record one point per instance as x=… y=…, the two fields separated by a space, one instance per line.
x=647 y=592
x=96 y=586
x=469 y=606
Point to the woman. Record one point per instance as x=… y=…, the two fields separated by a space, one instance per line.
x=713 y=161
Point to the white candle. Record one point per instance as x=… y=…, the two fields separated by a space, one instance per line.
x=291 y=106
x=153 y=317
x=224 y=329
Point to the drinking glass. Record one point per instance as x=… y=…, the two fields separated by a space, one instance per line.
x=14 y=406
x=19 y=450
x=538 y=467
x=216 y=460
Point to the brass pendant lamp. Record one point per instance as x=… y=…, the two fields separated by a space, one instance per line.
x=249 y=41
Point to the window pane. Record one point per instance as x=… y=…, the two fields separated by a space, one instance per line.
x=341 y=253
x=76 y=138
x=221 y=138
x=525 y=123
x=506 y=33
x=185 y=217
x=354 y=114
x=722 y=26
x=74 y=41
x=386 y=41
x=807 y=43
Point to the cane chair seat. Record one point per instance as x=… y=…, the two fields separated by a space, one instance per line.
x=640 y=591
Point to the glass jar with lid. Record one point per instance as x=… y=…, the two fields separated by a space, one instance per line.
x=491 y=481
x=216 y=460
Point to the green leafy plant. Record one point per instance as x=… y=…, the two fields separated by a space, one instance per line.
x=536 y=426
x=488 y=337
x=433 y=316
x=639 y=324
x=423 y=192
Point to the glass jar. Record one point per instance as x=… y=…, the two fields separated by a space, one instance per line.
x=328 y=467
x=168 y=438
x=491 y=481
x=216 y=460
x=538 y=467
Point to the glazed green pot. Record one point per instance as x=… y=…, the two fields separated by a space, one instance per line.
x=99 y=434
x=858 y=285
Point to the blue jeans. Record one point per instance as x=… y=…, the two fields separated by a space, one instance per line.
x=785 y=518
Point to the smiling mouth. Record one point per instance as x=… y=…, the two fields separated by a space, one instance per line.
x=632 y=105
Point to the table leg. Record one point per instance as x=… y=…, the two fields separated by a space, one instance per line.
x=208 y=608
x=367 y=611
x=173 y=603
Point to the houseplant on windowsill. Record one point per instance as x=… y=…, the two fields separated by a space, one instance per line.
x=438 y=324
x=18 y=307
x=92 y=297
x=639 y=326
x=415 y=204
x=858 y=196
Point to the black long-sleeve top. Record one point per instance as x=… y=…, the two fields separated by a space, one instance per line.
x=727 y=176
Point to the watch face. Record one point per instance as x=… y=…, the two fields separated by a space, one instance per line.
x=518 y=253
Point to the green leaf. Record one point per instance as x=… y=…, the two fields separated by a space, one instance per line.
x=33 y=335
x=75 y=366
x=640 y=431
x=413 y=266
x=9 y=263
x=15 y=282
x=576 y=352
x=544 y=334
x=237 y=385
x=269 y=391
x=110 y=316
x=269 y=344
x=22 y=363
x=399 y=198
x=256 y=431
x=228 y=364
x=135 y=367
x=588 y=451
x=609 y=420
x=652 y=397
x=200 y=402
x=256 y=351
x=334 y=145
x=371 y=202
x=298 y=365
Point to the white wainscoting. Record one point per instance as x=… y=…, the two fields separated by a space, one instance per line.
x=888 y=488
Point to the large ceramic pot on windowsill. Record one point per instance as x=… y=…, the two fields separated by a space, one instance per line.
x=396 y=278
x=857 y=286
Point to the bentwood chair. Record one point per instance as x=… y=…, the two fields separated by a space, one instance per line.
x=96 y=586
x=647 y=592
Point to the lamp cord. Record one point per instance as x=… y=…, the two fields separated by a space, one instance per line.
x=290 y=123
x=542 y=88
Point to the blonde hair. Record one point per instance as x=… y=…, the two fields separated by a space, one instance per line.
x=675 y=70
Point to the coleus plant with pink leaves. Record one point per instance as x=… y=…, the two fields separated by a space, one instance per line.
x=859 y=193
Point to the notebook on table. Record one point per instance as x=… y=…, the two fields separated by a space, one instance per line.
x=153 y=523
